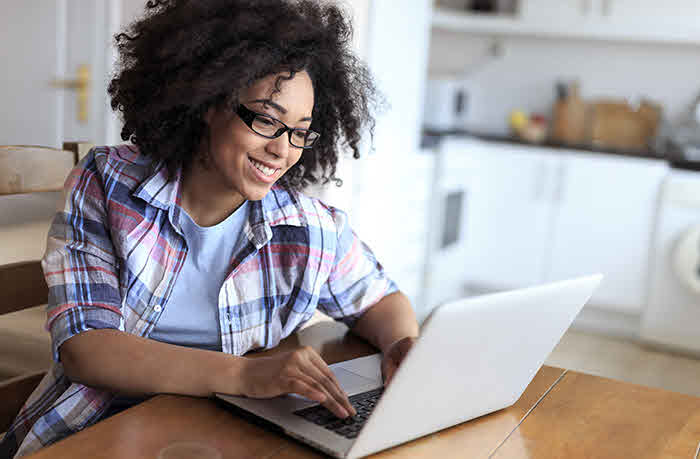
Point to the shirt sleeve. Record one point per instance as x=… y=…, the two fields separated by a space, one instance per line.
x=357 y=280
x=79 y=265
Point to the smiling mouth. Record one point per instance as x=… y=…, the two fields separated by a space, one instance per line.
x=267 y=171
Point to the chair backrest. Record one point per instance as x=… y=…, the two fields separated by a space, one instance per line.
x=22 y=286
x=29 y=169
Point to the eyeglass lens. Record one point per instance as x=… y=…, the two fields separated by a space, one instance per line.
x=271 y=127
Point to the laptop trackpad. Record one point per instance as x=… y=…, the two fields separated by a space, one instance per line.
x=352 y=383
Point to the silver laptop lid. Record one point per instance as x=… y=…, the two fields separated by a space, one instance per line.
x=474 y=356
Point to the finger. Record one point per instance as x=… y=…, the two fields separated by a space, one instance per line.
x=388 y=372
x=304 y=388
x=328 y=379
x=406 y=346
x=302 y=367
x=387 y=380
x=332 y=389
x=329 y=402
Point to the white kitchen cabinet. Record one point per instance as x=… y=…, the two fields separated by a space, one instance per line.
x=604 y=215
x=536 y=11
x=644 y=21
x=537 y=215
x=653 y=13
x=509 y=208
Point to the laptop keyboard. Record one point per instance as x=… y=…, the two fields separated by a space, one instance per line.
x=363 y=403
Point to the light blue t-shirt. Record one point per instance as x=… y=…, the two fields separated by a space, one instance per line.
x=191 y=316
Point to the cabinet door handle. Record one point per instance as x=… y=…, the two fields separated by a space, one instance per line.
x=540 y=180
x=561 y=175
x=586 y=7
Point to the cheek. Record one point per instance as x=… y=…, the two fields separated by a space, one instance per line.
x=233 y=152
x=294 y=158
x=231 y=139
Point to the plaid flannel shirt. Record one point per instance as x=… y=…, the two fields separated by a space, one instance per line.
x=113 y=255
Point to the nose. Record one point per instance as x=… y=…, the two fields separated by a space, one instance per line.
x=279 y=146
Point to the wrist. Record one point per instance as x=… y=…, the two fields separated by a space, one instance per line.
x=227 y=377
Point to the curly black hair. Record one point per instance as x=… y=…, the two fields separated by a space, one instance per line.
x=185 y=56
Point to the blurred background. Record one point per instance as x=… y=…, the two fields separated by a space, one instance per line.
x=524 y=141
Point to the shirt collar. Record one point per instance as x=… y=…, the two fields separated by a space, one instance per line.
x=278 y=207
x=157 y=190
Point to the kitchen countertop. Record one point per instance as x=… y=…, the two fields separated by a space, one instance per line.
x=684 y=164
x=432 y=137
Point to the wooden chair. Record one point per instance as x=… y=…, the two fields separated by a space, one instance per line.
x=23 y=170
x=30 y=169
x=22 y=286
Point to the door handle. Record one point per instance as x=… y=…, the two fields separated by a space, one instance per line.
x=586 y=7
x=82 y=85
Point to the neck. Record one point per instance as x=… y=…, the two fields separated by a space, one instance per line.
x=205 y=198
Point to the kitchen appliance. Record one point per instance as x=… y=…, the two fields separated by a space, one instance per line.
x=672 y=314
x=682 y=143
x=447 y=234
x=446 y=104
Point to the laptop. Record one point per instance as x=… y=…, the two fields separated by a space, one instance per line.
x=474 y=356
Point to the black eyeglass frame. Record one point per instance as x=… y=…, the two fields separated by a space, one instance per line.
x=248 y=116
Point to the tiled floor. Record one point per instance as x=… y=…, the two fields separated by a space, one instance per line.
x=626 y=361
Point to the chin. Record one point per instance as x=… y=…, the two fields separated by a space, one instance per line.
x=256 y=194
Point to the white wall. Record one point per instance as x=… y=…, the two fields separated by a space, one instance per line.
x=131 y=9
x=524 y=77
x=346 y=169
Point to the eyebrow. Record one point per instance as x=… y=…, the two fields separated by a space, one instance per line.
x=278 y=107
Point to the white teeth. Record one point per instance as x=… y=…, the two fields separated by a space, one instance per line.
x=262 y=168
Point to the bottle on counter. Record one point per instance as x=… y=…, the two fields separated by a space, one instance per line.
x=569 y=116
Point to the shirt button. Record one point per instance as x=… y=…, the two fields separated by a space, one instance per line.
x=157 y=308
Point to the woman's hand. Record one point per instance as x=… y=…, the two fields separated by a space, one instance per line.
x=393 y=357
x=302 y=372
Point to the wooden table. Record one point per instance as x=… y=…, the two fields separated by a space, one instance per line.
x=561 y=414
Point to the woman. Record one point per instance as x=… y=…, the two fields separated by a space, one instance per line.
x=178 y=254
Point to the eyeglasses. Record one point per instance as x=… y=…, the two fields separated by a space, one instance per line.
x=272 y=128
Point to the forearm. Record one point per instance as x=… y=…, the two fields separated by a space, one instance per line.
x=135 y=366
x=389 y=320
